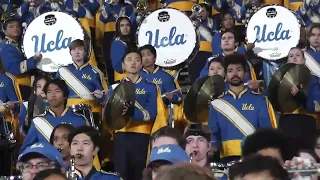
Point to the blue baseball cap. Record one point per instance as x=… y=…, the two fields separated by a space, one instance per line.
x=170 y=152
x=45 y=149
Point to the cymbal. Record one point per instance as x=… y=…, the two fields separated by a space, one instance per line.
x=299 y=76
x=122 y=94
x=274 y=85
x=202 y=91
x=39 y=106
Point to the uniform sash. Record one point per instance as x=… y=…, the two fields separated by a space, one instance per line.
x=43 y=126
x=234 y=116
x=312 y=64
x=75 y=84
x=205 y=33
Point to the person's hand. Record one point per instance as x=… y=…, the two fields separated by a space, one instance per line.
x=250 y=46
x=169 y=95
x=37 y=56
x=295 y=90
x=98 y=94
x=252 y=84
x=299 y=163
x=10 y=105
x=126 y=108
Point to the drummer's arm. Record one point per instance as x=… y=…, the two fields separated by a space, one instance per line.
x=214 y=127
x=30 y=139
x=171 y=86
x=13 y=63
x=101 y=85
x=91 y=5
x=105 y=14
x=149 y=111
x=244 y=48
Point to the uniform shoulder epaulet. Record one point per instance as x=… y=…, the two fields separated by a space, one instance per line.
x=256 y=93
x=110 y=173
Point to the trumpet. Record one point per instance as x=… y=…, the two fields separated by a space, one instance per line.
x=196 y=9
x=142 y=5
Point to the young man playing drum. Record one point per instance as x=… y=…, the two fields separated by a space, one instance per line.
x=14 y=60
x=42 y=126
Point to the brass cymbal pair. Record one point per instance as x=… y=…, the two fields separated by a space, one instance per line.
x=280 y=86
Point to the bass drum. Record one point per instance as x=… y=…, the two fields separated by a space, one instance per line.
x=173 y=35
x=51 y=34
x=274 y=30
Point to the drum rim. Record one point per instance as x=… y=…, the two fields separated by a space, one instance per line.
x=247 y=20
x=86 y=38
x=192 y=54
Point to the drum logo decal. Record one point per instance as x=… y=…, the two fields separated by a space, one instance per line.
x=170 y=40
x=58 y=44
x=276 y=35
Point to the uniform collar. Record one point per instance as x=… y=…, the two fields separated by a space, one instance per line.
x=239 y=95
x=138 y=80
x=154 y=71
x=234 y=51
x=313 y=48
x=81 y=67
x=91 y=172
x=62 y=114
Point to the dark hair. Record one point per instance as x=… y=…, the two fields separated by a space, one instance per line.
x=48 y=172
x=215 y=59
x=68 y=127
x=150 y=48
x=313 y=26
x=266 y=138
x=61 y=84
x=236 y=38
x=41 y=76
x=168 y=131
x=257 y=164
x=77 y=43
x=8 y=21
x=234 y=59
x=133 y=50
x=198 y=130
x=87 y=130
x=298 y=49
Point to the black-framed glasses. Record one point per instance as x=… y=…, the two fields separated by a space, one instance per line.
x=27 y=167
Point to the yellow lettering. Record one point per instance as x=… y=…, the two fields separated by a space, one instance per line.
x=249 y=107
x=157 y=81
x=140 y=91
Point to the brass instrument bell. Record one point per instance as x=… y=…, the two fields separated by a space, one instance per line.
x=196 y=9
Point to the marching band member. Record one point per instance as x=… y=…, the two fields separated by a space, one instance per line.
x=124 y=40
x=85 y=82
x=268 y=142
x=41 y=127
x=165 y=155
x=147 y=117
x=42 y=156
x=59 y=139
x=84 y=145
x=206 y=28
x=26 y=111
x=181 y=5
x=31 y=9
x=158 y=76
x=314 y=40
x=14 y=60
x=167 y=135
x=71 y=7
x=302 y=123
x=110 y=14
x=308 y=11
x=229 y=46
x=247 y=111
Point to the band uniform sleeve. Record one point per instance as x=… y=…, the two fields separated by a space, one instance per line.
x=91 y=5
x=313 y=97
x=242 y=14
x=241 y=50
x=216 y=43
x=30 y=139
x=218 y=4
x=22 y=116
x=214 y=127
x=105 y=14
x=148 y=112
x=205 y=70
x=10 y=90
x=133 y=19
x=266 y=115
x=21 y=11
x=161 y=119
x=81 y=11
x=118 y=50
x=171 y=86
x=14 y=62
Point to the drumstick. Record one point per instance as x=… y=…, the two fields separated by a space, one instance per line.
x=91 y=93
x=14 y=102
x=259 y=81
x=171 y=92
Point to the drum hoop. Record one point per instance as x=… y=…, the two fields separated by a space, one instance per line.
x=87 y=39
x=192 y=54
x=251 y=15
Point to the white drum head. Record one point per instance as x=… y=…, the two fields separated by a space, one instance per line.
x=275 y=30
x=51 y=34
x=172 y=34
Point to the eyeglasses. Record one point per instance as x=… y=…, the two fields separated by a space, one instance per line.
x=27 y=167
